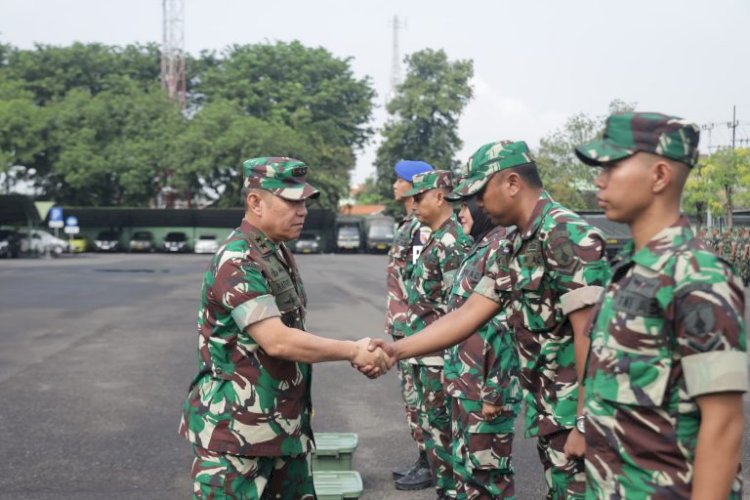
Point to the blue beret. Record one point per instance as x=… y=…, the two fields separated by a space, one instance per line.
x=407 y=169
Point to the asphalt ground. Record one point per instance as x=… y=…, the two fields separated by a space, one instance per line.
x=97 y=351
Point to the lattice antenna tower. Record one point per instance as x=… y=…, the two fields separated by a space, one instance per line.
x=173 y=50
x=396 y=61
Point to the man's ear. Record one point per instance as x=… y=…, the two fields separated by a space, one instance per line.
x=662 y=175
x=512 y=182
x=254 y=203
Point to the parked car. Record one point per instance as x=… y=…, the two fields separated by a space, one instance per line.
x=379 y=234
x=348 y=239
x=42 y=243
x=176 y=242
x=108 y=241
x=207 y=243
x=79 y=243
x=142 y=241
x=307 y=242
x=10 y=244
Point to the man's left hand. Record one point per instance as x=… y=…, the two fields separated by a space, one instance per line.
x=575 y=445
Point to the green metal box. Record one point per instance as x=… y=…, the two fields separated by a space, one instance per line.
x=333 y=451
x=337 y=485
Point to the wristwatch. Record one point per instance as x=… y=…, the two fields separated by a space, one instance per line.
x=581 y=424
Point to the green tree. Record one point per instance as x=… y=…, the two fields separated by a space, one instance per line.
x=424 y=115
x=728 y=171
x=568 y=180
x=701 y=193
x=113 y=148
x=22 y=123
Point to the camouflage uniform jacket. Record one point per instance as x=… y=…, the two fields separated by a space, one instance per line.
x=409 y=238
x=668 y=329
x=557 y=266
x=432 y=280
x=243 y=401
x=484 y=367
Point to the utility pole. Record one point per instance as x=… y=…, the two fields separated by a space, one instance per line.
x=396 y=60
x=729 y=188
x=173 y=50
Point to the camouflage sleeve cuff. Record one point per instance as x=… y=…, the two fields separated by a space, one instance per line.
x=486 y=288
x=580 y=298
x=715 y=371
x=254 y=310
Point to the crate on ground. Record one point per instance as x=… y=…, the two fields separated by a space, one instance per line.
x=333 y=451
x=337 y=485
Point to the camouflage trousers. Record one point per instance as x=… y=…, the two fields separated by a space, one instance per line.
x=565 y=478
x=435 y=422
x=406 y=375
x=482 y=450
x=219 y=476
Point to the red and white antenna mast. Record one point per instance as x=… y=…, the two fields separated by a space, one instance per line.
x=173 y=50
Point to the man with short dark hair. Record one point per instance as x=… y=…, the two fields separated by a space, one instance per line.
x=668 y=364
x=247 y=412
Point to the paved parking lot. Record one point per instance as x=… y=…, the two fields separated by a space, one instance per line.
x=97 y=351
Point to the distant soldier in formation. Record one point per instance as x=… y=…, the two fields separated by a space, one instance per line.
x=408 y=242
x=743 y=255
x=434 y=272
x=481 y=375
x=667 y=365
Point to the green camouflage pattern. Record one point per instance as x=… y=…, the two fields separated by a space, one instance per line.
x=669 y=328
x=565 y=478
x=221 y=476
x=282 y=176
x=482 y=451
x=485 y=366
x=407 y=373
x=432 y=280
x=408 y=240
x=628 y=133
x=556 y=266
x=243 y=401
x=426 y=181
x=487 y=160
x=435 y=422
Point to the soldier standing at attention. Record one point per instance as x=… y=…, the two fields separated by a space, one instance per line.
x=407 y=245
x=481 y=375
x=434 y=272
x=552 y=277
x=667 y=366
x=247 y=412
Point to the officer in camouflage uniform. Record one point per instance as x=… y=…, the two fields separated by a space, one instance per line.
x=247 y=412
x=667 y=366
x=408 y=242
x=481 y=376
x=554 y=273
x=433 y=276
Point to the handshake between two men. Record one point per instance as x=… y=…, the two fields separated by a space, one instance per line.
x=374 y=357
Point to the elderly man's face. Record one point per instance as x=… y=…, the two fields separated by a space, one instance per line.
x=280 y=219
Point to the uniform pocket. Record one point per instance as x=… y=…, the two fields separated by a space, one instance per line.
x=535 y=301
x=630 y=378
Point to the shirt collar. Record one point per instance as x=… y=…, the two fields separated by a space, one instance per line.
x=543 y=205
x=256 y=237
x=440 y=231
x=655 y=254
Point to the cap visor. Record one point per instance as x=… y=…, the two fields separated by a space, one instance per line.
x=296 y=191
x=599 y=152
x=414 y=192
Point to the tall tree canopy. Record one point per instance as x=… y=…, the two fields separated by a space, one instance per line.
x=424 y=115
x=92 y=124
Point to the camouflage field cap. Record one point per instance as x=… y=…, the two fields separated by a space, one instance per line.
x=430 y=180
x=628 y=133
x=489 y=159
x=284 y=177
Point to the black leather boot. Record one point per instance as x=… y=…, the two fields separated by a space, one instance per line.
x=406 y=469
x=419 y=478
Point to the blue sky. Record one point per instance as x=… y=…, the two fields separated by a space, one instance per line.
x=535 y=62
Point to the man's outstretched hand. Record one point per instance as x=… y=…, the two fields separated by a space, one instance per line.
x=372 y=362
